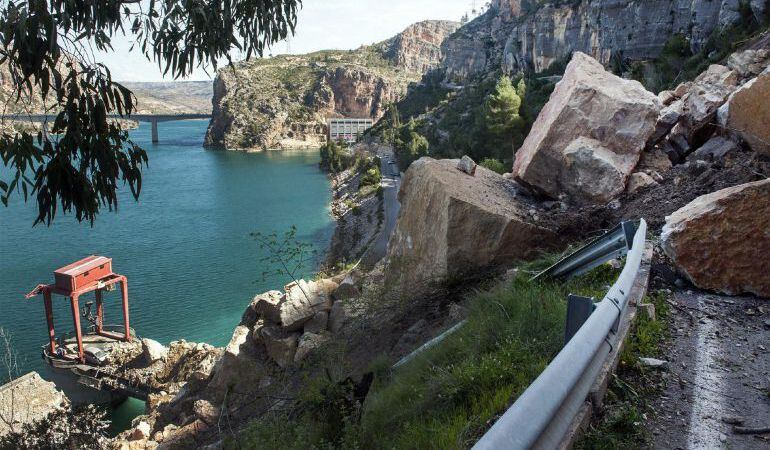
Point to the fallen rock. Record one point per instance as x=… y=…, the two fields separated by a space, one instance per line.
x=592 y=170
x=237 y=363
x=140 y=432
x=654 y=160
x=679 y=137
x=715 y=149
x=467 y=165
x=700 y=106
x=153 y=350
x=347 y=288
x=318 y=323
x=303 y=301
x=682 y=89
x=588 y=103
x=268 y=305
x=666 y=97
x=475 y=223
x=280 y=344
x=747 y=112
x=668 y=117
x=717 y=74
x=307 y=344
x=749 y=63
x=653 y=362
x=720 y=241
x=639 y=180
x=206 y=411
x=40 y=399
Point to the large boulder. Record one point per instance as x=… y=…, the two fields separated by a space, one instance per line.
x=589 y=104
x=298 y=305
x=747 y=112
x=303 y=300
x=720 y=241
x=474 y=222
x=238 y=363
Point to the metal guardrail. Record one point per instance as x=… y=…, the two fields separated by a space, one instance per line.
x=543 y=413
x=431 y=343
x=611 y=245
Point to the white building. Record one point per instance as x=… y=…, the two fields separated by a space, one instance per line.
x=348 y=130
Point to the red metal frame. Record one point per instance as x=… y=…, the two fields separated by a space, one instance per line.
x=97 y=287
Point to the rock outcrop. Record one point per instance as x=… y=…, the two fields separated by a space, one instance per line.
x=475 y=222
x=589 y=136
x=533 y=35
x=285 y=101
x=720 y=241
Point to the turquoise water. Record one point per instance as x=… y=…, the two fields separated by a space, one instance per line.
x=185 y=246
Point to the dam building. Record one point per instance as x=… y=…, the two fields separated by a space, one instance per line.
x=348 y=130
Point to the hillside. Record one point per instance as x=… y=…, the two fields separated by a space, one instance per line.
x=658 y=43
x=284 y=101
x=174 y=97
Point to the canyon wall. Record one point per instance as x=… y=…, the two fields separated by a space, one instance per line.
x=517 y=35
x=284 y=101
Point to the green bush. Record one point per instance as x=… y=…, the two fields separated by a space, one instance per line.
x=493 y=165
x=334 y=157
x=372 y=177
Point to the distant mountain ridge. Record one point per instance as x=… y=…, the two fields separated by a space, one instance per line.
x=172 y=97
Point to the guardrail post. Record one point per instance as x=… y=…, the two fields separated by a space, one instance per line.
x=579 y=309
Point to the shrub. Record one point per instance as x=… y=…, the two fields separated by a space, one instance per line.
x=493 y=165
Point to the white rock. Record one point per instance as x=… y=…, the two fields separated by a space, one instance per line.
x=153 y=350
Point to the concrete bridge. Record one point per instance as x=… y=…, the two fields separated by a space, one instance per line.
x=154 y=119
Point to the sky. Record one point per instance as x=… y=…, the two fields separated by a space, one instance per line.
x=321 y=25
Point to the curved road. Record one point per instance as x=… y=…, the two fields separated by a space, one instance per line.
x=391 y=182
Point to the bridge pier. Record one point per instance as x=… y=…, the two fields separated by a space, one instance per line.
x=154 y=131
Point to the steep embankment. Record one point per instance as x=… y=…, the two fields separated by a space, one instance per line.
x=283 y=102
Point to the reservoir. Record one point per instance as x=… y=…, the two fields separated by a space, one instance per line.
x=185 y=247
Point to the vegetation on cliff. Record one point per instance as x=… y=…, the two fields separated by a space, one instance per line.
x=284 y=101
x=678 y=62
x=445 y=397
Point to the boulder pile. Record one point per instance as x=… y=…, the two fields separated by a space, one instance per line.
x=289 y=325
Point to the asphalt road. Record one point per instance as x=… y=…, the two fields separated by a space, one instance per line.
x=391 y=182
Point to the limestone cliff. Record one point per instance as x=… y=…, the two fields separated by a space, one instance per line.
x=283 y=102
x=515 y=35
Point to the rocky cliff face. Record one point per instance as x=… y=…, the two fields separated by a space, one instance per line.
x=284 y=102
x=516 y=37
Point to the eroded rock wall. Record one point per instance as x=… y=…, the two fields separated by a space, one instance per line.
x=511 y=36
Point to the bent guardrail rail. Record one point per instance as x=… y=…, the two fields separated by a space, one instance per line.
x=611 y=245
x=543 y=413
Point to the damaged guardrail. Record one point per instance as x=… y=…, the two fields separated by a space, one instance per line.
x=543 y=413
x=611 y=245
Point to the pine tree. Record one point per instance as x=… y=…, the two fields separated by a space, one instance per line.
x=502 y=111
